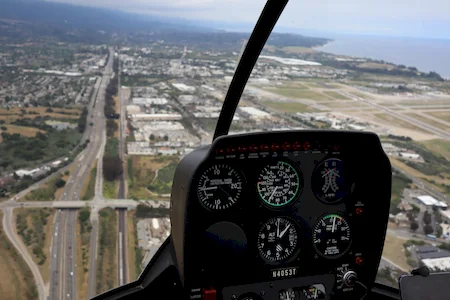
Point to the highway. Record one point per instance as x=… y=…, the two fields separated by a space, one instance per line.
x=63 y=283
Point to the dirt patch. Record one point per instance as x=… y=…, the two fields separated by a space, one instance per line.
x=22 y=130
x=395 y=252
x=16 y=280
x=12 y=114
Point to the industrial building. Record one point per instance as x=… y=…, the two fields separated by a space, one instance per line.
x=430 y=201
x=433 y=257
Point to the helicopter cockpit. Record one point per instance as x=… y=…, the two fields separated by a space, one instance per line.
x=273 y=215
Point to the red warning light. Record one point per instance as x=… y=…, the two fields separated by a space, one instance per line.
x=264 y=147
x=297 y=146
x=242 y=148
x=307 y=146
x=359 y=260
x=253 y=148
x=286 y=146
x=275 y=147
x=231 y=150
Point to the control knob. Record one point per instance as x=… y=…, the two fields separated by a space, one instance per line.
x=349 y=278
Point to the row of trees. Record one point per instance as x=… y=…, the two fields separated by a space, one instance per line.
x=82 y=120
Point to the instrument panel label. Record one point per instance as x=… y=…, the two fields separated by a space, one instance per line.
x=283 y=273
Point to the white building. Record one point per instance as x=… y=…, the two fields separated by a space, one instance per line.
x=254 y=113
x=149 y=101
x=430 y=201
x=409 y=155
x=183 y=87
x=156 y=117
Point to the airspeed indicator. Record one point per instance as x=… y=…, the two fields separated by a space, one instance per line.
x=278 y=184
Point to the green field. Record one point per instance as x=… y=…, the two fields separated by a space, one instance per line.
x=299 y=93
x=106 y=258
x=47 y=191
x=110 y=189
x=89 y=188
x=163 y=183
x=440 y=147
x=336 y=95
x=289 y=107
x=141 y=172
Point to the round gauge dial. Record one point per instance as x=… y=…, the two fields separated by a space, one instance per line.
x=331 y=236
x=288 y=295
x=219 y=187
x=329 y=182
x=277 y=239
x=316 y=291
x=278 y=184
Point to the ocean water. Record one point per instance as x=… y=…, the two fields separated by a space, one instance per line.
x=424 y=54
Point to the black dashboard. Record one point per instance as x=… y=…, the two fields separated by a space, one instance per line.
x=281 y=215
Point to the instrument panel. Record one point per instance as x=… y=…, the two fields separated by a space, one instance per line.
x=266 y=207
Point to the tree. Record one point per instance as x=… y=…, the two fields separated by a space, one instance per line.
x=111 y=127
x=166 y=138
x=112 y=168
x=152 y=137
x=428 y=229
x=427 y=218
x=414 y=226
x=60 y=183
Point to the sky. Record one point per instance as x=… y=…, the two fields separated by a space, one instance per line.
x=415 y=18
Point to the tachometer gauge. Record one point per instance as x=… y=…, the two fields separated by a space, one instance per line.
x=316 y=291
x=331 y=236
x=329 y=181
x=278 y=184
x=277 y=239
x=219 y=187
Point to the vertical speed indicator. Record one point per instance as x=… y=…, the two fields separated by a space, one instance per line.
x=219 y=187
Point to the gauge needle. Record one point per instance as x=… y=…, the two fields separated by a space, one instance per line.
x=273 y=193
x=284 y=231
x=278 y=228
x=315 y=294
x=331 y=173
x=334 y=223
x=208 y=188
x=222 y=189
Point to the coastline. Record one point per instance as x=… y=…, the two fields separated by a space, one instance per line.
x=424 y=54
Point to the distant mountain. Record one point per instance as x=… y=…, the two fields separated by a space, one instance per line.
x=81 y=17
x=72 y=23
